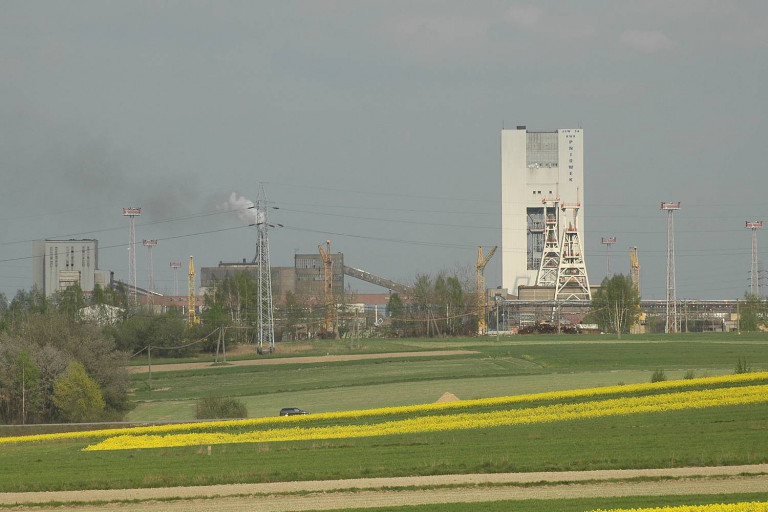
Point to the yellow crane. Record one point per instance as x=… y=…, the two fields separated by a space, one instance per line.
x=634 y=268
x=191 y=300
x=634 y=274
x=482 y=326
x=330 y=305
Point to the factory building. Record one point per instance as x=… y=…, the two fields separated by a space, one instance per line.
x=58 y=264
x=305 y=278
x=542 y=178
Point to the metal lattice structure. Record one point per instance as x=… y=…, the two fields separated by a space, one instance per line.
x=754 y=269
x=149 y=244
x=608 y=241
x=132 y=213
x=175 y=265
x=191 y=295
x=550 y=256
x=266 y=336
x=672 y=321
x=572 y=280
x=331 y=324
x=482 y=324
x=634 y=268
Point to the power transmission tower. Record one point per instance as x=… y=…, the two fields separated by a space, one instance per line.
x=266 y=317
x=149 y=244
x=608 y=242
x=754 y=272
x=132 y=213
x=673 y=323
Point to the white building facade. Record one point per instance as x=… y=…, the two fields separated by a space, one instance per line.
x=537 y=169
x=59 y=264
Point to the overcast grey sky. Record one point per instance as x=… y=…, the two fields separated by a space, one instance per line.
x=377 y=125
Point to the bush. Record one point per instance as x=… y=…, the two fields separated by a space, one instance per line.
x=219 y=407
x=78 y=396
x=689 y=375
x=742 y=366
x=658 y=376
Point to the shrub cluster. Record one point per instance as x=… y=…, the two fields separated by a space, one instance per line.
x=218 y=407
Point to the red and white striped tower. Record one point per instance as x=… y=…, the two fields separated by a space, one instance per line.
x=176 y=265
x=673 y=323
x=754 y=271
x=132 y=213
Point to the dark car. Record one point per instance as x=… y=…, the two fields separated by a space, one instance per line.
x=292 y=411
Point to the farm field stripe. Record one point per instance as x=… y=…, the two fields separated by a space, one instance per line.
x=461 y=421
x=750 y=506
x=665 y=386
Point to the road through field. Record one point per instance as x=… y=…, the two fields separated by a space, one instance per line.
x=408 y=491
x=175 y=367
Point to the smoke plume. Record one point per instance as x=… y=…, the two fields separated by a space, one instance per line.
x=242 y=207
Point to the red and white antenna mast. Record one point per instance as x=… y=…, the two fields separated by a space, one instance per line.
x=176 y=265
x=132 y=213
x=673 y=323
x=754 y=271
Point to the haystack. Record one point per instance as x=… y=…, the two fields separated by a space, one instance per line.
x=447 y=397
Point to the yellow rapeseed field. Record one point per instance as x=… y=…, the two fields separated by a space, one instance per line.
x=388 y=411
x=459 y=421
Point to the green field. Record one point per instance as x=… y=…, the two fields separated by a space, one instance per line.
x=724 y=435
x=504 y=367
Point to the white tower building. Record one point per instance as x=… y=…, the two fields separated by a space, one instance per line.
x=537 y=168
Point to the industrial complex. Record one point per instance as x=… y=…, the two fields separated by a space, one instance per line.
x=544 y=271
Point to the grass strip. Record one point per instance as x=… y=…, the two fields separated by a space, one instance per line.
x=345 y=490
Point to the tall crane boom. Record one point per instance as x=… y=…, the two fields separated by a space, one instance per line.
x=634 y=274
x=634 y=268
x=330 y=305
x=191 y=317
x=482 y=325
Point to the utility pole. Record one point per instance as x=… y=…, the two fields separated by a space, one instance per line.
x=672 y=323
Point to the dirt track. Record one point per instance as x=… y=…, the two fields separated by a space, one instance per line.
x=378 y=491
x=295 y=360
